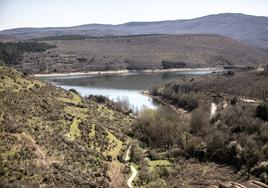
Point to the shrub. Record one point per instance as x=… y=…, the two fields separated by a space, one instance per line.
x=74 y=91
x=157 y=128
x=199 y=123
x=153 y=155
x=215 y=145
x=171 y=64
x=124 y=104
x=262 y=111
x=163 y=171
x=11 y=53
x=136 y=154
x=98 y=98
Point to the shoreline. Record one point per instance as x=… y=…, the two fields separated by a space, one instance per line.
x=124 y=71
x=177 y=110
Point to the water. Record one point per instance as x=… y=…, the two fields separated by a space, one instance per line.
x=122 y=86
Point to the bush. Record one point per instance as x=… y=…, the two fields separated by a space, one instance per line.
x=215 y=145
x=124 y=104
x=163 y=171
x=199 y=123
x=262 y=111
x=98 y=98
x=179 y=97
x=11 y=53
x=74 y=91
x=157 y=128
x=153 y=155
x=171 y=64
x=136 y=154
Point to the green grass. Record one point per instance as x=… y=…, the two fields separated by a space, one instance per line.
x=157 y=163
x=157 y=183
x=128 y=120
x=75 y=99
x=93 y=131
x=77 y=112
x=11 y=152
x=118 y=145
x=16 y=82
x=105 y=112
x=8 y=84
x=74 y=130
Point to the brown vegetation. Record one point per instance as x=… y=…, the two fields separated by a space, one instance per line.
x=141 y=52
x=53 y=137
x=236 y=135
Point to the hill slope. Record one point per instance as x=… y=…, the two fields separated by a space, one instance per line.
x=50 y=136
x=142 y=52
x=251 y=30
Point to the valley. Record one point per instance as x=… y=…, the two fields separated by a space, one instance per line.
x=141 y=52
x=158 y=104
x=176 y=150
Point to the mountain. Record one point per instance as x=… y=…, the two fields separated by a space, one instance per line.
x=141 y=52
x=251 y=30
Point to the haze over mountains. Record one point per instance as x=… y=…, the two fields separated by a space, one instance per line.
x=251 y=30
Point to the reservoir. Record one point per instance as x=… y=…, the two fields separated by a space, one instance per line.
x=121 y=86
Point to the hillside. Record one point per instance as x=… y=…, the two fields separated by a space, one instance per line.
x=251 y=30
x=141 y=52
x=229 y=120
x=53 y=137
x=50 y=136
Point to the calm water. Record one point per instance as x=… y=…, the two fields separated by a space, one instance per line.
x=122 y=86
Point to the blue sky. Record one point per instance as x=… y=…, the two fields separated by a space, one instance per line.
x=43 y=13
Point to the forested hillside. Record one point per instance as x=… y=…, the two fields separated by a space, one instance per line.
x=228 y=125
x=138 y=53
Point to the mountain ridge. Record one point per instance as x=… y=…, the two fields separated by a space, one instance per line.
x=251 y=30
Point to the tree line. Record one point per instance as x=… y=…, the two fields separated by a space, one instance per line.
x=11 y=53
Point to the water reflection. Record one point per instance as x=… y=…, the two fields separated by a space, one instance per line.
x=136 y=100
x=118 y=86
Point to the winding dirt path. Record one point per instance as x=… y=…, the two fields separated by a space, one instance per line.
x=133 y=175
x=213 y=109
x=134 y=171
x=127 y=158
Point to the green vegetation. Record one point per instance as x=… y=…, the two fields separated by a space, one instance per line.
x=262 y=111
x=172 y=65
x=153 y=165
x=236 y=135
x=178 y=96
x=11 y=53
x=93 y=131
x=54 y=137
x=115 y=144
x=82 y=53
x=74 y=130
x=157 y=128
x=74 y=99
x=16 y=82
x=34 y=121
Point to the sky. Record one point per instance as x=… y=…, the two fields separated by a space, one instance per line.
x=53 y=13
